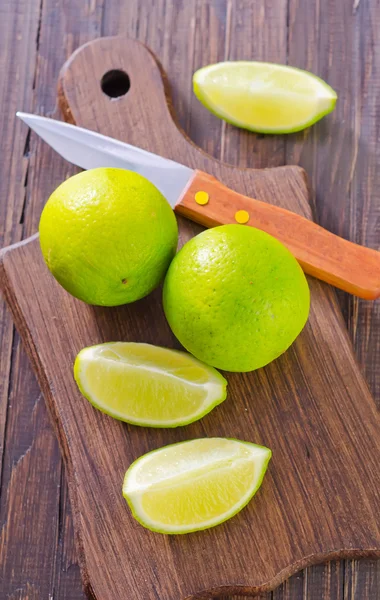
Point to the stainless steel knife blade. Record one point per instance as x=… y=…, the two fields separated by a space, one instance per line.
x=88 y=150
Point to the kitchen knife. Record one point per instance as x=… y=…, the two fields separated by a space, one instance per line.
x=207 y=201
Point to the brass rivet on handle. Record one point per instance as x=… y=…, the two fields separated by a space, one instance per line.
x=201 y=197
x=242 y=216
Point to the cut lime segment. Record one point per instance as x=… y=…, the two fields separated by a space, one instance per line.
x=263 y=97
x=194 y=485
x=148 y=385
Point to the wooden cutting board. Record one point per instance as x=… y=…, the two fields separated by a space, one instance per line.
x=320 y=498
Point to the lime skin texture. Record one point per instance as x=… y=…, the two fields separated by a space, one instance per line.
x=108 y=236
x=235 y=297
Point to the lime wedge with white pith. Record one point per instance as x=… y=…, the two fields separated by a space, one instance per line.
x=263 y=97
x=148 y=385
x=194 y=485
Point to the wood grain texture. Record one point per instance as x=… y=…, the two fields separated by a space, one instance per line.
x=328 y=257
x=37 y=559
x=337 y=42
x=341 y=154
x=315 y=503
x=29 y=492
x=13 y=58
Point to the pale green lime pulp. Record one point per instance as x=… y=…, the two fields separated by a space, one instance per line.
x=263 y=97
x=194 y=485
x=148 y=385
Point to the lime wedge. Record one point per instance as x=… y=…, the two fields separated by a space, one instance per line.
x=148 y=385
x=263 y=97
x=194 y=485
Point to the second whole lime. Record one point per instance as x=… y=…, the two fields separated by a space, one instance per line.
x=235 y=297
x=108 y=236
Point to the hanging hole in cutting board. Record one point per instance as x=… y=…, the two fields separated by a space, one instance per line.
x=115 y=83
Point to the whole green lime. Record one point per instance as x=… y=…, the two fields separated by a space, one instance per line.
x=108 y=236
x=235 y=297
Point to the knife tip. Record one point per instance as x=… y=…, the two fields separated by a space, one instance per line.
x=21 y=115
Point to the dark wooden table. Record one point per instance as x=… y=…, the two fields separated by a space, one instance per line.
x=336 y=39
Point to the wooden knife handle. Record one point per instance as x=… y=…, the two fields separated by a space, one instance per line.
x=345 y=265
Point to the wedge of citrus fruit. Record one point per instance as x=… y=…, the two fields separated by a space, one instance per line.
x=148 y=385
x=263 y=97
x=194 y=485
